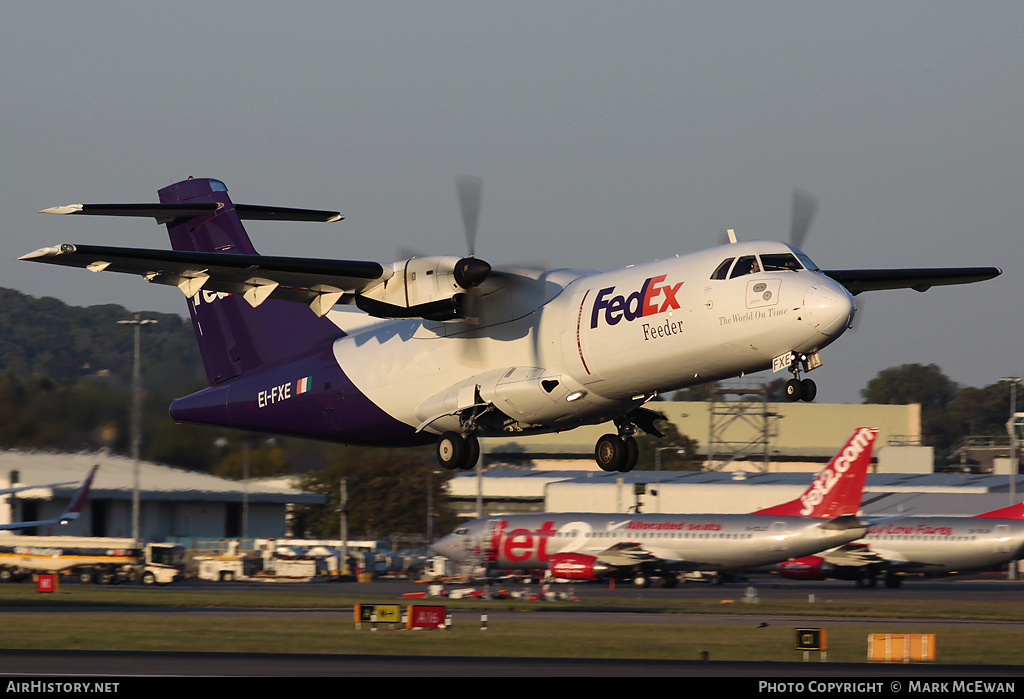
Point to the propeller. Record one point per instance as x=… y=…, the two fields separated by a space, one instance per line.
x=470 y=272
x=470 y=189
x=805 y=205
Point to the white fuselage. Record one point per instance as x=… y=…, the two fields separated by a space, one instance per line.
x=679 y=542
x=604 y=339
x=946 y=544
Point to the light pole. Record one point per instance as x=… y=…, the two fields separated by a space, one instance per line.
x=136 y=419
x=1014 y=444
x=1013 y=427
x=430 y=506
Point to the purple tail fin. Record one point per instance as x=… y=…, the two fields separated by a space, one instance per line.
x=234 y=337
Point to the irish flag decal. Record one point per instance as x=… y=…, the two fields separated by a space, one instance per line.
x=303 y=385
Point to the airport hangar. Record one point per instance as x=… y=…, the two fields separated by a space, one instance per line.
x=779 y=448
x=175 y=504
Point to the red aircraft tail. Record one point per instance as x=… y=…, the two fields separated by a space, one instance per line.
x=839 y=487
x=1011 y=512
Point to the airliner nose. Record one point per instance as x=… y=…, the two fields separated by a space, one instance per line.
x=440 y=544
x=829 y=308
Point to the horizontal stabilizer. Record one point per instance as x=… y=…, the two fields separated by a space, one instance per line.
x=168 y=212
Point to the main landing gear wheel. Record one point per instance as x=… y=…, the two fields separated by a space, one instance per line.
x=456 y=451
x=613 y=453
x=801 y=390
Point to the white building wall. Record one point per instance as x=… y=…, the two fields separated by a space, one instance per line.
x=701 y=498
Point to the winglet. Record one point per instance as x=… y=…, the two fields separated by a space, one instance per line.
x=1011 y=512
x=78 y=501
x=839 y=487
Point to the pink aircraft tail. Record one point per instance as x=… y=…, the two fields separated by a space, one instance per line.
x=839 y=487
x=1011 y=512
x=78 y=501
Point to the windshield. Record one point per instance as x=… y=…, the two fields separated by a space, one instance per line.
x=780 y=261
x=167 y=555
x=745 y=265
x=807 y=262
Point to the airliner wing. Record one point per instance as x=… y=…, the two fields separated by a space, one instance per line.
x=624 y=554
x=627 y=554
x=70 y=514
x=852 y=555
x=18 y=489
x=858 y=280
x=257 y=277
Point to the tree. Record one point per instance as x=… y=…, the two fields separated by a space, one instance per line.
x=387 y=493
x=677 y=451
x=916 y=383
x=981 y=410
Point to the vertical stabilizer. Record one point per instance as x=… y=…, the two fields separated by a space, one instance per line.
x=1011 y=512
x=234 y=337
x=839 y=487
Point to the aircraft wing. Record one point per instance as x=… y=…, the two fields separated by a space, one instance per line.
x=624 y=554
x=852 y=555
x=18 y=489
x=70 y=514
x=858 y=280
x=257 y=277
x=628 y=554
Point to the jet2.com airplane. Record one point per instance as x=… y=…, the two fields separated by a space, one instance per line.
x=450 y=349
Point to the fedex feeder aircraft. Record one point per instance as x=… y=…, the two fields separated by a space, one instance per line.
x=449 y=349
x=638 y=547
x=926 y=545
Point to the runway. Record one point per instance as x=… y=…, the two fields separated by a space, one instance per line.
x=132 y=667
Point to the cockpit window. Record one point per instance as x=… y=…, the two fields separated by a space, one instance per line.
x=723 y=269
x=745 y=265
x=780 y=262
x=808 y=264
x=461 y=531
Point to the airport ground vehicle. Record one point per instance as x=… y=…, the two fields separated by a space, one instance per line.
x=266 y=559
x=101 y=560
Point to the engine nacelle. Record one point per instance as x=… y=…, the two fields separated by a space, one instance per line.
x=578 y=566
x=425 y=287
x=806 y=568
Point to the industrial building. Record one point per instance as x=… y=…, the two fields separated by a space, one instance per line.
x=754 y=453
x=175 y=504
x=749 y=434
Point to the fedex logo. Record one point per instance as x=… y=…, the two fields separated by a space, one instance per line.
x=653 y=297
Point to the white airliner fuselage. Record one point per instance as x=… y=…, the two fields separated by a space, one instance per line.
x=919 y=545
x=606 y=339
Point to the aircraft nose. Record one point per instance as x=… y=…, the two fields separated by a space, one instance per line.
x=829 y=308
x=445 y=546
x=438 y=545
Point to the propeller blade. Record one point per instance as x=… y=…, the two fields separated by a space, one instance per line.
x=470 y=191
x=805 y=205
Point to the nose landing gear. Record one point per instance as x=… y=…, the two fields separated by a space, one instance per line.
x=805 y=389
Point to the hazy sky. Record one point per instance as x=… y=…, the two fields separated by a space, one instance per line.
x=606 y=133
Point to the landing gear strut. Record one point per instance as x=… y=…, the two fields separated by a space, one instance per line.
x=455 y=451
x=806 y=389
